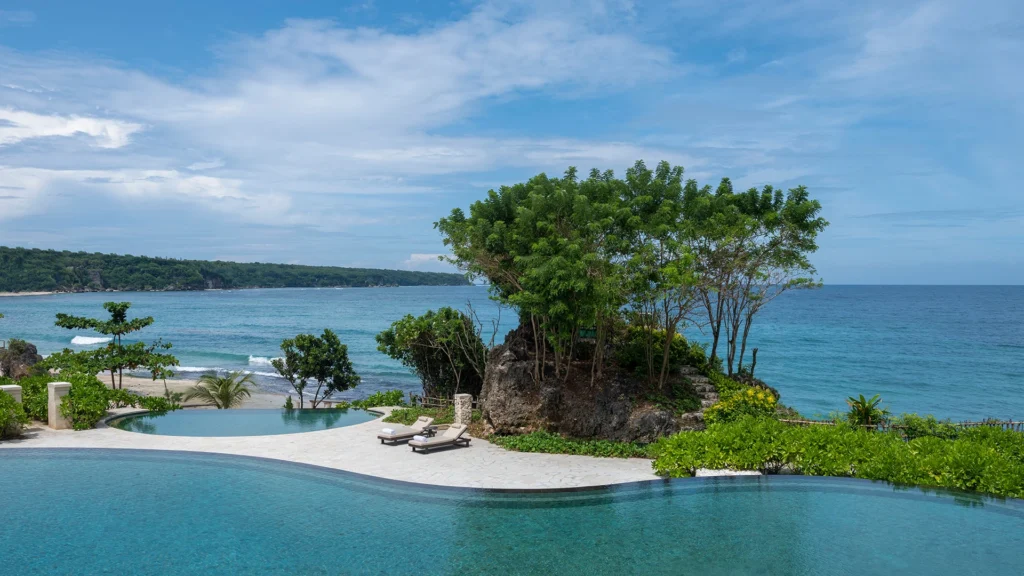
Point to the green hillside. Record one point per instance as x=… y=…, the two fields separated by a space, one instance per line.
x=29 y=270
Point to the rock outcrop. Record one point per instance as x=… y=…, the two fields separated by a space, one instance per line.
x=18 y=358
x=514 y=402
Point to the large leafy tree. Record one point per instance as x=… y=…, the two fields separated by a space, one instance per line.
x=115 y=357
x=443 y=347
x=321 y=360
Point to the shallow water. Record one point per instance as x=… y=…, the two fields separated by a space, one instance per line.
x=144 y=512
x=954 y=351
x=241 y=422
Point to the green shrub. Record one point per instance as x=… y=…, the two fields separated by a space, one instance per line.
x=865 y=411
x=86 y=403
x=550 y=443
x=913 y=426
x=750 y=402
x=12 y=417
x=632 y=352
x=342 y=405
x=407 y=416
x=288 y=405
x=389 y=398
x=35 y=396
x=725 y=386
x=985 y=459
x=156 y=404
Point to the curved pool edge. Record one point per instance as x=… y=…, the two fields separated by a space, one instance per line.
x=863 y=486
x=107 y=421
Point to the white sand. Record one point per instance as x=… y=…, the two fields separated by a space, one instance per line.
x=2 y=294
x=147 y=387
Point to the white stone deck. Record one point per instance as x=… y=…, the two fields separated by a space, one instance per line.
x=356 y=449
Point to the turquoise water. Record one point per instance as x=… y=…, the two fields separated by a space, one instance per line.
x=954 y=351
x=240 y=422
x=143 y=512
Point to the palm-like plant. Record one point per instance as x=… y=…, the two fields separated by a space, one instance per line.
x=221 y=391
x=865 y=411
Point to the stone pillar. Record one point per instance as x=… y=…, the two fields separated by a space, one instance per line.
x=56 y=391
x=463 y=408
x=14 y=391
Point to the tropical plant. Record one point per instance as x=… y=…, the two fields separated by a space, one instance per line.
x=86 y=402
x=865 y=411
x=12 y=417
x=221 y=392
x=381 y=398
x=323 y=360
x=115 y=356
x=288 y=403
x=35 y=395
x=442 y=347
x=754 y=402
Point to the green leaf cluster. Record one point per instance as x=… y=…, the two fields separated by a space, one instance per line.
x=12 y=417
x=446 y=415
x=989 y=460
x=321 y=360
x=443 y=349
x=381 y=398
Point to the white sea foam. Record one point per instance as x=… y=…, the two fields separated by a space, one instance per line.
x=88 y=340
x=260 y=360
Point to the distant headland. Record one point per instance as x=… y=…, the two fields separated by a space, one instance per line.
x=31 y=270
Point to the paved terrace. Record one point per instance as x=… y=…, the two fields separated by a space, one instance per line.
x=356 y=449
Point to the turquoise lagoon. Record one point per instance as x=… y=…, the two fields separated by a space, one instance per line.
x=151 y=512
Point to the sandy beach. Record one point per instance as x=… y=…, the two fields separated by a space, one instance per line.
x=146 y=386
x=12 y=294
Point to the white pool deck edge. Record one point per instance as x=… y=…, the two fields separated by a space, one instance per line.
x=356 y=449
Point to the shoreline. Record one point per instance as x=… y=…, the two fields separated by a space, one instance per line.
x=259 y=398
x=16 y=294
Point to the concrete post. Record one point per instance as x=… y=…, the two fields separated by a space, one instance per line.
x=14 y=391
x=463 y=408
x=56 y=391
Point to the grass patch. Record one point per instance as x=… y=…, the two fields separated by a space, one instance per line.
x=549 y=443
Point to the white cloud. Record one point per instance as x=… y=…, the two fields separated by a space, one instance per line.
x=206 y=165
x=18 y=125
x=16 y=18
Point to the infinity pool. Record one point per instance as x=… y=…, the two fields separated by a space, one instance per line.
x=151 y=512
x=240 y=422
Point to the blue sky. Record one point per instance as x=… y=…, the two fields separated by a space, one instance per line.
x=337 y=133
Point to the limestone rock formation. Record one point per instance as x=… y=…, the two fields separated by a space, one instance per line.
x=18 y=358
x=514 y=402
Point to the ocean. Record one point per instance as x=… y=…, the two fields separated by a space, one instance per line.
x=952 y=351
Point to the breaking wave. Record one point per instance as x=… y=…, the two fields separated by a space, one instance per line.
x=88 y=340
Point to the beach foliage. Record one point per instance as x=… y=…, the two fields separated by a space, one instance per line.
x=981 y=459
x=381 y=398
x=442 y=347
x=86 y=403
x=35 y=395
x=323 y=361
x=749 y=402
x=551 y=443
x=222 y=392
x=441 y=415
x=12 y=417
x=866 y=411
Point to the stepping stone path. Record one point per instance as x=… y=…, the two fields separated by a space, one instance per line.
x=705 y=389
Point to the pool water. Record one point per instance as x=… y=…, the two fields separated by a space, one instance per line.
x=151 y=512
x=242 y=422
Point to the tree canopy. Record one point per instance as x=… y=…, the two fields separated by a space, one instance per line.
x=321 y=360
x=576 y=258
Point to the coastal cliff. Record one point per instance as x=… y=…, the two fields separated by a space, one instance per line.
x=613 y=407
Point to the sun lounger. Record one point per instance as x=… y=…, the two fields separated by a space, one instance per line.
x=422 y=426
x=453 y=436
